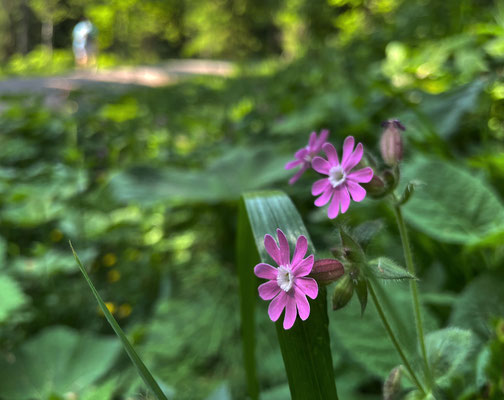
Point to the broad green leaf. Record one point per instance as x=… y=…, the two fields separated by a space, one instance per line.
x=135 y=359
x=385 y=268
x=239 y=170
x=446 y=110
x=454 y=205
x=365 y=339
x=305 y=347
x=57 y=361
x=448 y=351
x=11 y=296
x=480 y=301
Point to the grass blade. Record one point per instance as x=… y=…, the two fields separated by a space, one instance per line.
x=135 y=359
x=247 y=256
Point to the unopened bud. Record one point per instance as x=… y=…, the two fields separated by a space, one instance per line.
x=376 y=188
x=343 y=292
x=327 y=270
x=391 y=145
x=392 y=386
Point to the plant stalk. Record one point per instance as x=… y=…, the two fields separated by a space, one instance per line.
x=413 y=285
x=392 y=336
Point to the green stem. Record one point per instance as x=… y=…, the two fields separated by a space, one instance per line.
x=393 y=338
x=413 y=285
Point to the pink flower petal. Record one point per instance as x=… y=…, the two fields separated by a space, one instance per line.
x=356 y=191
x=284 y=248
x=290 y=312
x=272 y=248
x=348 y=146
x=293 y=164
x=313 y=140
x=302 y=305
x=344 y=199
x=326 y=196
x=332 y=155
x=277 y=305
x=269 y=290
x=324 y=134
x=363 y=175
x=308 y=286
x=321 y=165
x=354 y=159
x=300 y=250
x=300 y=154
x=319 y=186
x=334 y=206
x=304 y=267
x=298 y=174
x=265 y=271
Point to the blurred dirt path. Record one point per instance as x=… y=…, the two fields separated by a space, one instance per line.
x=153 y=76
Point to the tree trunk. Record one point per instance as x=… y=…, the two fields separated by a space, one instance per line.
x=47 y=34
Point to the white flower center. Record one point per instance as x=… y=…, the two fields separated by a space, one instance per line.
x=336 y=176
x=308 y=158
x=285 y=279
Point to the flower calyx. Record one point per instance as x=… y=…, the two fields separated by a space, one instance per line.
x=354 y=279
x=327 y=270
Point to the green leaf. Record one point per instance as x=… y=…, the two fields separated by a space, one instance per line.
x=446 y=110
x=11 y=297
x=135 y=359
x=448 y=351
x=362 y=293
x=351 y=249
x=366 y=341
x=305 y=347
x=454 y=205
x=57 y=361
x=239 y=170
x=480 y=301
x=247 y=255
x=385 y=268
x=366 y=231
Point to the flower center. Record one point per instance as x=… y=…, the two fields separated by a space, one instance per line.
x=336 y=176
x=285 y=279
x=309 y=156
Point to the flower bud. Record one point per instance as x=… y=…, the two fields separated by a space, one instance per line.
x=392 y=386
x=327 y=270
x=376 y=187
x=343 y=292
x=391 y=145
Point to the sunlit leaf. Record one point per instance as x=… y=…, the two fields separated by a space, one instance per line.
x=11 y=296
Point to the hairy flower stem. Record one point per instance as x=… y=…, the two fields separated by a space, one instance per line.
x=413 y=285
x=393 y=338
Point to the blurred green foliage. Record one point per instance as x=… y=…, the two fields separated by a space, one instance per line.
x=145 y=182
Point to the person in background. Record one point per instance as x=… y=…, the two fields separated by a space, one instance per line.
x=84 y=44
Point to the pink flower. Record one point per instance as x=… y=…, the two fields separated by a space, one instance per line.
x=305 y=155
x=341 y=183
x=288 y=285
